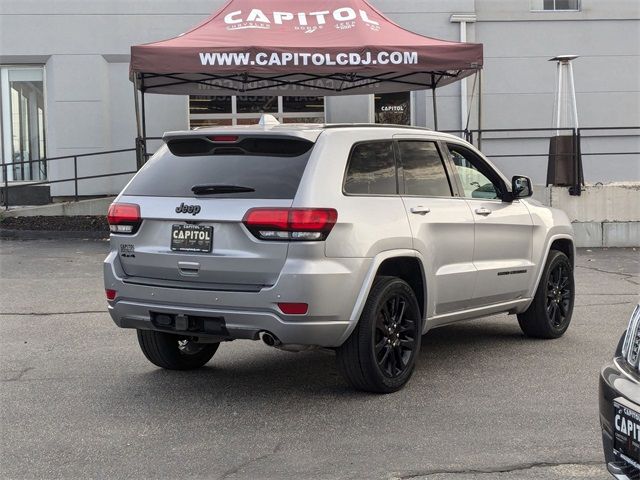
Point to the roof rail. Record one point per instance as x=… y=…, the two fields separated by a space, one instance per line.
x=375 y=125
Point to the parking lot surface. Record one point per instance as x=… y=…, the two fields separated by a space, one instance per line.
x=79 y=400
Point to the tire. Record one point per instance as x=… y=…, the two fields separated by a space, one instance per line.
x=174 y=352
x=380 y=354
x=549 y=315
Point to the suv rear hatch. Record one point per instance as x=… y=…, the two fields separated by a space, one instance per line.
x=192 y=197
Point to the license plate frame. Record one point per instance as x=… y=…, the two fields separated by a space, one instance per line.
x=191 y=238
x=626 y=436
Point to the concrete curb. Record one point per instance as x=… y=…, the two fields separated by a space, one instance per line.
x=12 y=234
x=91 y=207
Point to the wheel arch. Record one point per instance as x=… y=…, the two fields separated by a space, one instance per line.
x=561 y=242
x=566 y=246
x=411 y=270
x=405 y=264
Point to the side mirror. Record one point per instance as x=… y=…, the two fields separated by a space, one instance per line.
x=521 y=187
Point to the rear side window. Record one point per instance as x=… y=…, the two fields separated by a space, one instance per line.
x=272 y=169
x=424 y=171
x=371 y=169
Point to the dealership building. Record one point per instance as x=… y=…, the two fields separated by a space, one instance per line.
x=65 y=88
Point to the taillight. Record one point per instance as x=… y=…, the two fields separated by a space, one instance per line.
x=124 y=218
x=299 y=224
x=111 y=294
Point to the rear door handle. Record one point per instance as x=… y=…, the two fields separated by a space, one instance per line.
x=483 y=211
x=420 y=210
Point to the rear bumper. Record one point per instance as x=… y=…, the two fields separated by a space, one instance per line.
x=329 y=286
x=615 y=384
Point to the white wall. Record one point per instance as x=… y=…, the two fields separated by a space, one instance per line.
x=519 y=81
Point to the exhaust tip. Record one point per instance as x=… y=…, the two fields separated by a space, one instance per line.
x=270 y=339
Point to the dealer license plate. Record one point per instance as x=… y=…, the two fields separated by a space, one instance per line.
x=191 y=238
x=626 y=434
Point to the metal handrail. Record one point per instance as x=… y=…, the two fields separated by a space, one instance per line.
x=575 y=131
x=66 y=157
x=75 y=179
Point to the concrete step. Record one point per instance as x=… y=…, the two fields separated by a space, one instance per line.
x=25 y=194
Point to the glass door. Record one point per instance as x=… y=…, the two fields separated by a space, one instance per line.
x=23 y=123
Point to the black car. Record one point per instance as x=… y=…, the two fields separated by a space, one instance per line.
x=620 y=405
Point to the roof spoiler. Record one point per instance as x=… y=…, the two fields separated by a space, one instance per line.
x=230 y=143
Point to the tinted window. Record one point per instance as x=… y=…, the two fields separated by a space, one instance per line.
x=424 y=172
x=475 y=184
x=372 y=169
x=271 y=176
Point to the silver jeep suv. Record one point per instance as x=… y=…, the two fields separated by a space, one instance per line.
x=357 y=238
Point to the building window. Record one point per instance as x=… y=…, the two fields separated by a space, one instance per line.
x=23 y=123
x=555 y=5
x=393 y=108
x=247 y=110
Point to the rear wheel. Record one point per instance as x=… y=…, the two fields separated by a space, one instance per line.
x=549 y=314
x=381 y=352
x=175 y=352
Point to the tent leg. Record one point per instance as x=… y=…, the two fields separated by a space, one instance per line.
x=144 y=118
x=136 y=100
x=144 y=125
x=435 y=105
x=479 y=109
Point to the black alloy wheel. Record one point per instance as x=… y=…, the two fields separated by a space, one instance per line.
x=558 y=295
x=394 y=336
x=549 y=314
x=380 y=354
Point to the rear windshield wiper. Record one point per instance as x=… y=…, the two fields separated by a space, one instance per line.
x=220 y=189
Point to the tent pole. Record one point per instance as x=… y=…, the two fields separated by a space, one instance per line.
x=479 y=109
x=136 y=101
x=468 y=112
x=435 y=105
x=144 y=119
x=144 y=123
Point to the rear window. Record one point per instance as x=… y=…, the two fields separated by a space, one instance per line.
x=371 y=170
x=272 y=168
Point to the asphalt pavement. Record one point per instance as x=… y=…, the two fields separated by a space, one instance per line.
x=78 y=399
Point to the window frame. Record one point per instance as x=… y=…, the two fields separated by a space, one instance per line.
x=5 y=139
x=443 y=159
x=532 y=7
x=234 y=117
x=396 y=169
x=483 y=167
x=455 y=184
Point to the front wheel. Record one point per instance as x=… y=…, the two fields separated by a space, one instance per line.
x=549 y=314
x=174 y=352
x=380 y=354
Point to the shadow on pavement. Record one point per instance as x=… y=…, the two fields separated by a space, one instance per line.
x=270 y=373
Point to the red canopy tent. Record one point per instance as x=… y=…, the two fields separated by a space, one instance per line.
x=298 y=47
